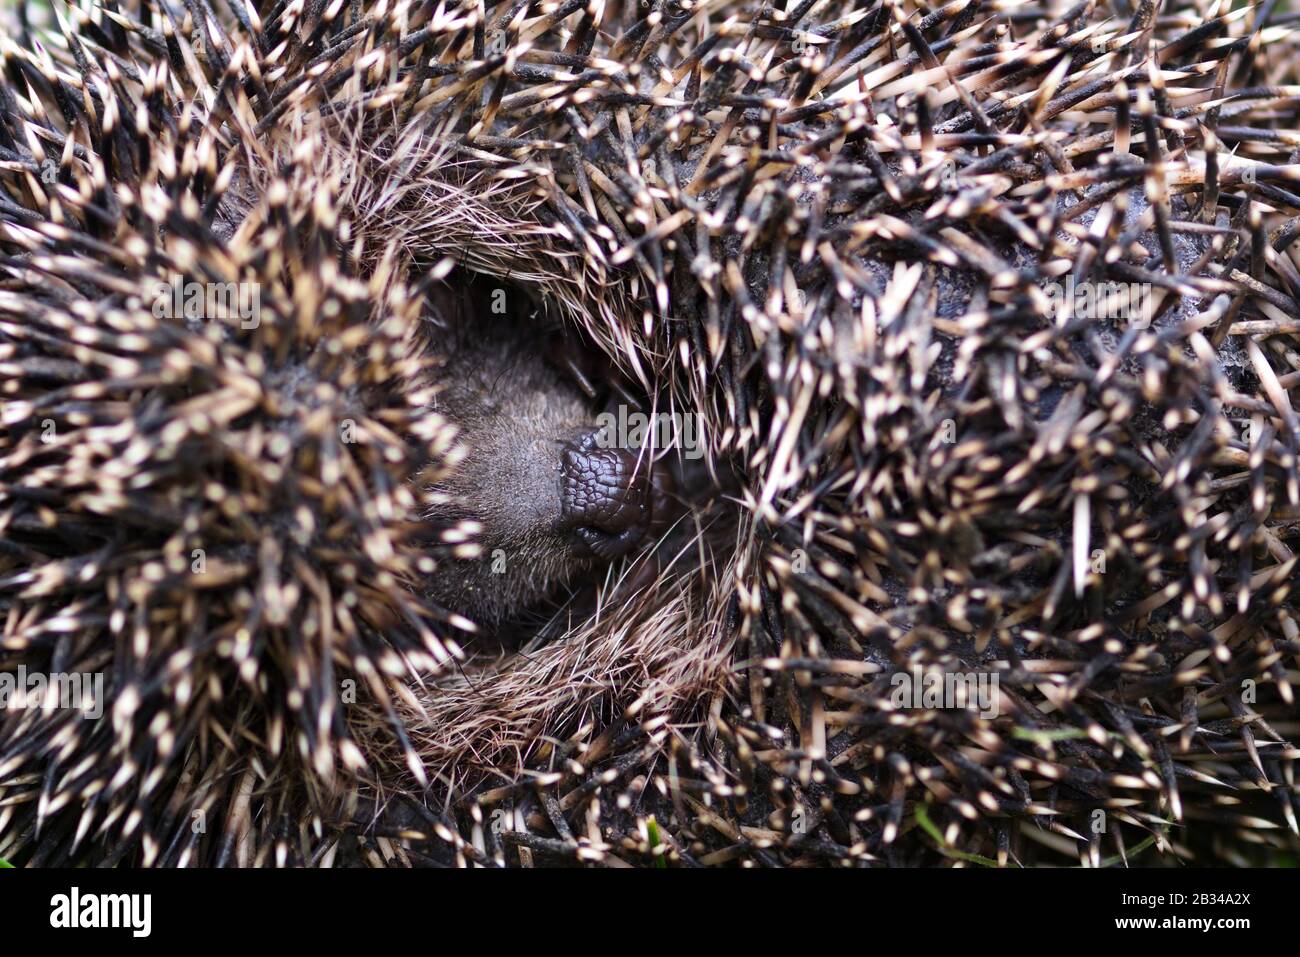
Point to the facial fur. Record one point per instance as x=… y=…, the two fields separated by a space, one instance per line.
x=544 y=503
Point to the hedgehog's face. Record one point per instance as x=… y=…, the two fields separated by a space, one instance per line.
x=546 y=500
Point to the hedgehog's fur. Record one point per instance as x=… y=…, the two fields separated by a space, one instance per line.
x=826 y=230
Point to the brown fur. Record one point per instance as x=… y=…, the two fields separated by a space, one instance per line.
x=515 y=415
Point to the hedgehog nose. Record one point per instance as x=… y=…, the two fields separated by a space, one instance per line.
x=604 y=499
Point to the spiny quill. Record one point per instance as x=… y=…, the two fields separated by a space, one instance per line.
x=826 y=229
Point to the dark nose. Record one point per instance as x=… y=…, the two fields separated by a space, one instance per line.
x=607 y=498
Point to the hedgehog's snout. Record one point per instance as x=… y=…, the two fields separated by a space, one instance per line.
x=611 y=498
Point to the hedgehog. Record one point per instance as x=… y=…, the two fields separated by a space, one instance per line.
x=971 y=569
x=523 y=427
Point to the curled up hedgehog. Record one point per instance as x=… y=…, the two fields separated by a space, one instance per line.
x=597 y=431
